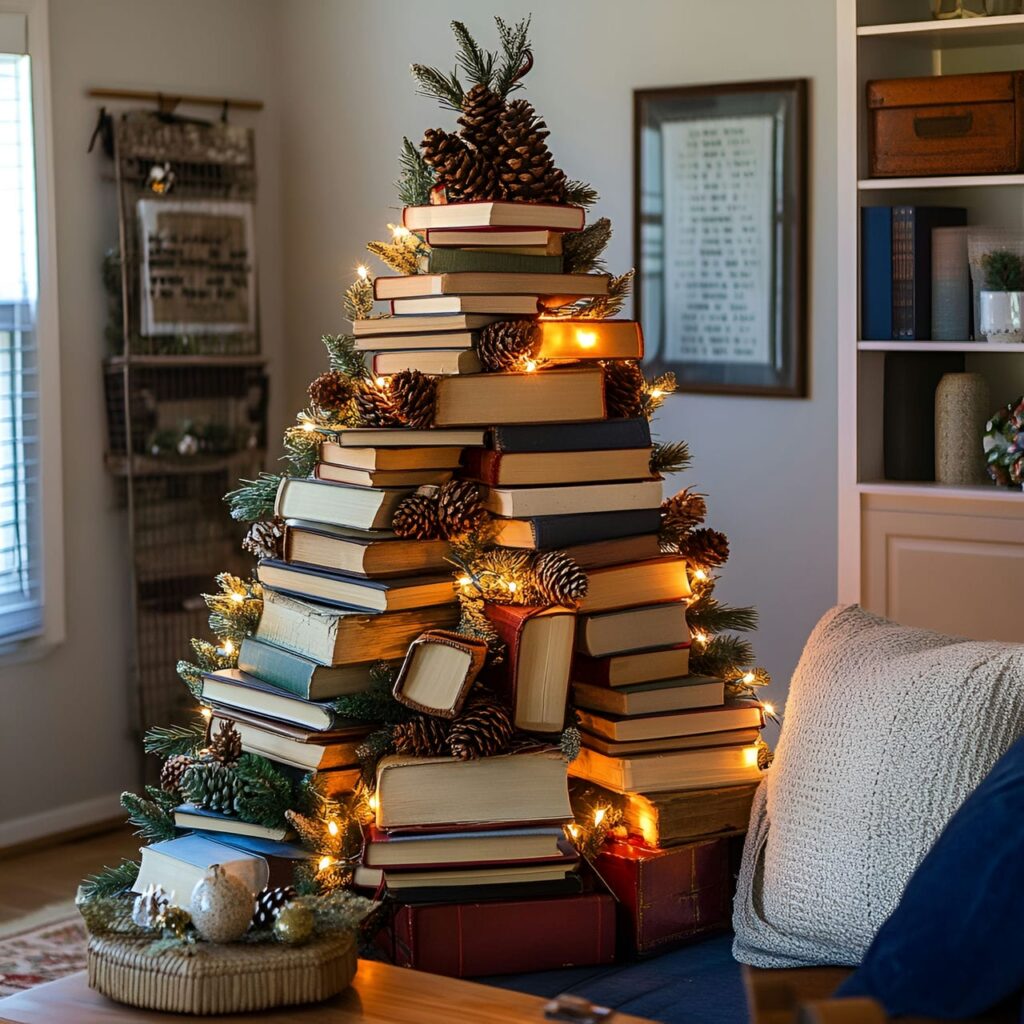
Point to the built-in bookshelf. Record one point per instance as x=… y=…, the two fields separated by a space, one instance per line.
x=906 y=547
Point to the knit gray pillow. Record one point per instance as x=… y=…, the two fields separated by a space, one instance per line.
x=887 y=731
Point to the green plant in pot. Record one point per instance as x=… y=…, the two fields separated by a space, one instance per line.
x=1002 y=296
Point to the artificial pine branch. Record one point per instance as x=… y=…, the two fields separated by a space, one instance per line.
x=673 y=457
x=267 y=792
x=580 y=193
x=416 y=177
x=402 y=259
x=603 y=307
x=343 y=355
x=358 y=301
x=110 y=881
x=302 y=450
x=446 y=89
x=377 y=745
x=478 y=64
x=192 y=676
x=168 y=740
x=516 y=58
x=723 y=656
x=153 y=822
x=235 y=612
x=707 y=615
x=657 y=391
x=582 y=250
x=255 y=499
x=376 y=703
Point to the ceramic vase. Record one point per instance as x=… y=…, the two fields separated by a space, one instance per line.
x=962 y=406
x=1000 y=314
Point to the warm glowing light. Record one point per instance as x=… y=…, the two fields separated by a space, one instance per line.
x=574 y=830
x=599 y=815
x=700 y=575
x=657 y=393
x=207 y=713
x=530 y=365
x=308 y=426
x=749 y=678
x=324 y=863
x=397 y=231
x=228 y=647
x=750 y=756
x=464 y=581
x=701 y=638
x=332 y=827
x=381 y=382
x=362 y=272
x=513 y=587
x=769 y=709
x=372 y=801
x=586 y=339
x=237 y=597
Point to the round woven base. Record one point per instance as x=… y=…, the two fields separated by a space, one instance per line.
x=221 y=979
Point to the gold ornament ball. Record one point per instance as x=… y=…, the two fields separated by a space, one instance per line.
x=221 y=906
x=294 y=925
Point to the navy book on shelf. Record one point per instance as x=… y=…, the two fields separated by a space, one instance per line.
x=876 y=273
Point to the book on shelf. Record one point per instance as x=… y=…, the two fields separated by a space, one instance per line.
x=534 y=675
x=189 y=816
x=404 y=437
x=502 y=305
x=436 y=849
x=541 y=533
x=177 y=864
x=449 y=260
x=424 y=793
x=391 y=460
x=731 y=738
x=677 y=769
x=569 y=884
x=505 y=469
x=633 y=629
x=439 y=671
x=695 y=721
x=435 y=362
x=621 y=586
x=526 y=241
x=383 y=326
x=394 y=594
x=680 y=816
x=632 y=666
x=474 y=877
x=436 y=342
x=494 y=214
x=876 y=274
x=649 y=698
x=529 y=502
x=298 y=675
x=380 y=478
x=376 y=554
x=334 y=636
x=594 y=554
x=361 y=508
x=464 y=284
x=561 y=339
x=554 y=397
x=569 y=437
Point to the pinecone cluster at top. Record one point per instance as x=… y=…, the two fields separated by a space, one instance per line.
x=482 y=729
x=500 y=152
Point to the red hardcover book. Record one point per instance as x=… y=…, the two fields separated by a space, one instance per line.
x=667 y=897
x=632 y=666
x=467 y=940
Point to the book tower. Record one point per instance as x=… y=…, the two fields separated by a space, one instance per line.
x=480 y=676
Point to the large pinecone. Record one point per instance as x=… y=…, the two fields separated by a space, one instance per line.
x=483 y=728
x=173 y=770
x=213 y=786
x=682 y=513
x=375 y=406
x=507 y=344
x=560 y=579
x=624 y=385
x=459 y=507
x=424 y=736
x=226 y=746
x=413 y=393
x=270 y=903
x=331 y=390
x=416 y=517
x=266 y=539
x=465 y=173
x=704 y=547
x=481 y=120
x=526 y=166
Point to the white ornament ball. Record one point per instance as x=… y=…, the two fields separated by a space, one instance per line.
x=221 y=906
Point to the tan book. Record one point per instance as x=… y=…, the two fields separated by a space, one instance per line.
x=435 y=362
x=534 y=469
x=458 y=848
x=194 y=818
x=508 y=874
x=494 y=214
x=391 y=459
x=310 y=751
x=433 y=325
x=442 y=341
x=506 y=305
x=632 y=667
x=377 y=554
x=633 y=629
x=623 y=586
x=524 y=502
x=674 y=817
x=465 y=283
x=650 y=698
x=439 y=671
x=699 y=721
x=522 y=241
x=614 y=552
x=560 y=339
x=318 y=501
x=405 y=437
x=380 y=478
x=731 y=738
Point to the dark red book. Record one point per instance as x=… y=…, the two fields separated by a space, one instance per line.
x=467 y=940
x=667 y=897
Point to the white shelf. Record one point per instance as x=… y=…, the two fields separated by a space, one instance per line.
x=934 y=490
x=1006 y=30
x=949 y=181
x=970 y=347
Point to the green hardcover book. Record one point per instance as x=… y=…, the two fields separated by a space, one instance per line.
x=453 y=261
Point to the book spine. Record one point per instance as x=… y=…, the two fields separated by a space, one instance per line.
x=482 y=465
x=588 y=669
x=876 y=274
x=903 y=313
x=607 y=434
x=560 y=531
x=925 y=220
x=453 y=261
x=279 y=668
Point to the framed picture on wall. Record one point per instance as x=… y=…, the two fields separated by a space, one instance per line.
x=720 y=196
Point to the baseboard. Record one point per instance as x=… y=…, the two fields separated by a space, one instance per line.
x=60 y=821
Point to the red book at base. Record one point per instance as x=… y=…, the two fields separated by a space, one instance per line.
x=468 y=940
x=667 y=897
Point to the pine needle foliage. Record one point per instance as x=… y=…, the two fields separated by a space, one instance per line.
x=344 y=357
x=415 y=176
x=707 y=615
x=580 y=193
x=673 y=457
x=358 y=300
x=582 y=251
x=302 y=450
x=476 y=63
x=167 y=740
x=376 y=703
x=603 y=307
x=723 y=656
x=111 y=881
x=153 y=820
x=254 y=500
x=516 y=59
x=657 y=391
x=267 y=791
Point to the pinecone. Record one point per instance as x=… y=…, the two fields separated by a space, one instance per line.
x=459 y=507
x=481 y=120
x=624 y=385
x=173 y=770
x=413 y=393
x=226 y=746
x=331 y=390
x=213 y=786
x=375 y=406
x=560 y=579
x=266 y=539
x=507 y=344
x=465 y=173
x=424 y=736
x=707 y=548
x=682 y=513
x=416 y=517
x=526 y=167
x=270 y=903
x=149 y=905
x=483 y=728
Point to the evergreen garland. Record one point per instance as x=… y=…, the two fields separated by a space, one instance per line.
x=266 y=791
x=169 y=740
x=416 y=176
x=343 y=356
x=724 y=656
x=254 y=500
x=583 y=251
x=152 y=817
x=111 y=881
x=376 y=703
x=673 y=457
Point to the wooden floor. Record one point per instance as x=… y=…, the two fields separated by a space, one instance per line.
x=50 y=873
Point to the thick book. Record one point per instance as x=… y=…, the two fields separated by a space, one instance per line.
x=466 y=283
x=529 y=241
x=439 y=671
x=731 y=738
x=424 y=793
x=534 y=675
x=632 y=667
x=649 y=698
x=438 y=343
x=378 y=554
x=570 y=437
x=674 y=817
x=505 y=305
x=667 y=897
x=678 y=769
x=476 y=876
x=527 y=502
x=541 y=533
x=640 y=583
x=633 y=629
x=189 y=816
x=571 y=884
x=469 y=940
x=553 y=397
x=507 y=469
x=404 y=437
x=383 y=478
x=390 y=460
x=376 y=595
x=333 y=636
x=318 y=501
x=177 y=864
x=453 y=261
x=594 y=554
x=297 y=675
x=494 y=214
x=741 y=714
x=384 y=326
x=437 y=362
x=876 y=275
x=560 y=339
x=440 y=849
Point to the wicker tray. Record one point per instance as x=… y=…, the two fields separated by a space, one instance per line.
x=221 y=979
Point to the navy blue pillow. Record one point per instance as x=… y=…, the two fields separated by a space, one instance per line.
x=954 y=947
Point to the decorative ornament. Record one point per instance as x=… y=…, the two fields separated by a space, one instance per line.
x=706 y=548
x=482 y=729
x=375 y=406
x=269 y=904
x=294 y=924
x=331 y=391
x=226 y=746
x=423 y=736
x=149 y=905
x=416 y=517
x=459 y=507
x=624 y=385
x=173 y=770
x=188 y=445
x=1004 y=445
x=213 y=786
x=507 y=344
x=526 y=166
x=559 y=578
x=160 y=179
x=265 y=539
x=174 y=921
x=465 y=174
x=480 y=122
x=413 y=394
x=221 y=906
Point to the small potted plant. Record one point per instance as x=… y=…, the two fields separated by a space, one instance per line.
x=1001 y=299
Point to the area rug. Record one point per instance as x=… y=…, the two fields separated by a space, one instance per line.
x=43 y=946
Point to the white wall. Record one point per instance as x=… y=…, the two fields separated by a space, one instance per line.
x=65 y=737
x=768 y=466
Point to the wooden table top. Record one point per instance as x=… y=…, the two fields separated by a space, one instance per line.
x=380 y=994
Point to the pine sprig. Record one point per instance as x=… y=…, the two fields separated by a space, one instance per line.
x=603 y=307
x=267 y=792
x=582 y=251
x=153 y=822
x=343 y=356
x=516 y=59
x=415 y=176
x=110 y=881
x=358 y=301
x=435 y=84
x=706 y=614
x=478 y=64
x=168 y=740
x=580 y=193
x=302 y=450
x=376 y=703
x=722 y=656
x=254 y=500
x=673 y=457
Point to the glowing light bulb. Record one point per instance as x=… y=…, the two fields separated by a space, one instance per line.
x=362 y=272
x=749 y=678
x=237 y=597
x=599 y=815
x=332 y=827
x=308 y=426
x=701 y=638
x=228 y=648
x=586 y=339
x=464 y=581
x=324 y=863
x=372 y=802
x=700 y=575
x=513 y=587
x=397 y=231
x=657 y=393
x=207 y=713
x=574 y=830
x=530 y=365
x=381 y=382
x=769 y=709
x=750 y=757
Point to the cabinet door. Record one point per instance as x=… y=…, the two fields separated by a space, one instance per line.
x=948 y=564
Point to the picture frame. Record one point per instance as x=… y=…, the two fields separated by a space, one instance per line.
x=720 y=235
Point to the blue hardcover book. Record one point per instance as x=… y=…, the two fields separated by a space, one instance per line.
x=876 y=278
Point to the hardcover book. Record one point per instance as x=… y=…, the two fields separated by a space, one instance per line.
x=516 y=240
x=298 y=675
x=542 y=533
x=617 y=551
x=361 y=508
x=426 y=324
x=477 y=876
x=405 y=437
x=659 y=744
x=507 y=469
x=177 y=864
x=490 y=261
x=633 y=667
x=527 y=502
x=504 y=305
x=696 y=721
x=489 y=214
x=622 y=586
x=439 y=343
x=380 y=477
x=436 y=362
x=469 y=283
x=676 y=817
x=440 y=849
x=189 y=816
x=391 y=459
x=650 y=698
x=570 y=437
x=439 y=671
x=633 y=629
